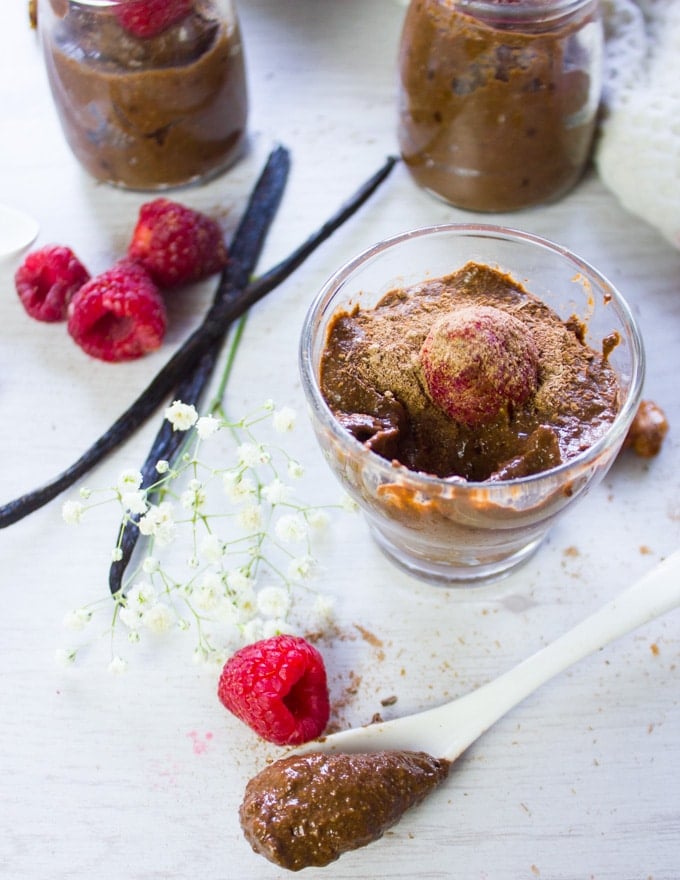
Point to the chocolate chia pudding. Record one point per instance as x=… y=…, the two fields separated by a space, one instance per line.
x=498 y=99
x=307 y=810
x=468 y=376
x=147 y=112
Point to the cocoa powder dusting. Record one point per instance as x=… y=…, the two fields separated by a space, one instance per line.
x=372 y=378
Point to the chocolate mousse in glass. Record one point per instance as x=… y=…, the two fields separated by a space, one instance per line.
x=467 y=385
x=150 y=95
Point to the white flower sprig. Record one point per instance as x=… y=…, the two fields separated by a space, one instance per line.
x=227 y=550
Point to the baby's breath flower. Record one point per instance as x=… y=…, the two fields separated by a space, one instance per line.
x=295 y=470
x=135 y=501
x=283 y=420
x=276 y=492
x=131 y=617
x=206 y=426
x=159 y=522
x=65 y=656
x=275 y=627
x=194 y=498
x=150 y=565
x=72 y=512
x=273 y=602
x=213 y=579
x=238 y=581
x=129 y=481
x=291 y=527
x=141 y=596
x=269 y=405
x=237 y=487
x=250 y=518
x=317 y=518
x=252 y=631
x=117 y=665
x=181 y=416
x=159 y=618
x=211 y=548
x=300 y=568
x=77 y=619
x=84 y=493
x=252 y=454
x=348 y=503
x=210 y=592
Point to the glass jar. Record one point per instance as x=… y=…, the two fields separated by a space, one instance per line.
x=498 y=98
x=150 y=96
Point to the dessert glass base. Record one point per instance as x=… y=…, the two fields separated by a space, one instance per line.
x=446 y=529
x=471 y=570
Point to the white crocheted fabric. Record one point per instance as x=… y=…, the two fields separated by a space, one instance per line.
x=638 y=149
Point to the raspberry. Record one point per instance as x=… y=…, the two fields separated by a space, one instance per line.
x=176 y=244
x=118 y=315
x=46 y=281
x=278 y=687
x=477 y=361
x=147 y=18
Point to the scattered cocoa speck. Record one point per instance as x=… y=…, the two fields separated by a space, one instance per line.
x=377 y=718
x=368 y=636
x=389 y=701
x=654 y=648
x=645 y=550
x=650 y=727
x=535 y=871
x=345 y=699
x=572 y=551
x=333 y=633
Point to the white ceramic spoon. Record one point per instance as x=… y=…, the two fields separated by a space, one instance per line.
x=447 y=730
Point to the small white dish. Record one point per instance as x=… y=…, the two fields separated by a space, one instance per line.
x=18 y=230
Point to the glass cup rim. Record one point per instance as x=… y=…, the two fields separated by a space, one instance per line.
x=388 y=469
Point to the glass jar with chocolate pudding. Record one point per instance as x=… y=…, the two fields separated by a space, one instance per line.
x=149 y=95
x=498 y=98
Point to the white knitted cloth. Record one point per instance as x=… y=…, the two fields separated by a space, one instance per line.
x=637 y=153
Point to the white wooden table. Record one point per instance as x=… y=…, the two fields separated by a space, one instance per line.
x=140 y=776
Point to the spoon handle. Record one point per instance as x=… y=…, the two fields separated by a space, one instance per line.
x=653 y=595
x=447 y=730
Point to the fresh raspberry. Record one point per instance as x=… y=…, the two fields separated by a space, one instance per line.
x=118 y=315
x=47 y=279
x=477 y=361
x=278 y=687
x=147 y=18
x=176 y=244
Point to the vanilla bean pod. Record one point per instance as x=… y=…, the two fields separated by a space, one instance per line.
x=224 y=311
x=244 y=252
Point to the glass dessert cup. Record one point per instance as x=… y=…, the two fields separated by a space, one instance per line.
x=149 y=97
x=447 y=530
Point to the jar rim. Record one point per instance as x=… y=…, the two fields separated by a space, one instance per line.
x=512 y=11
